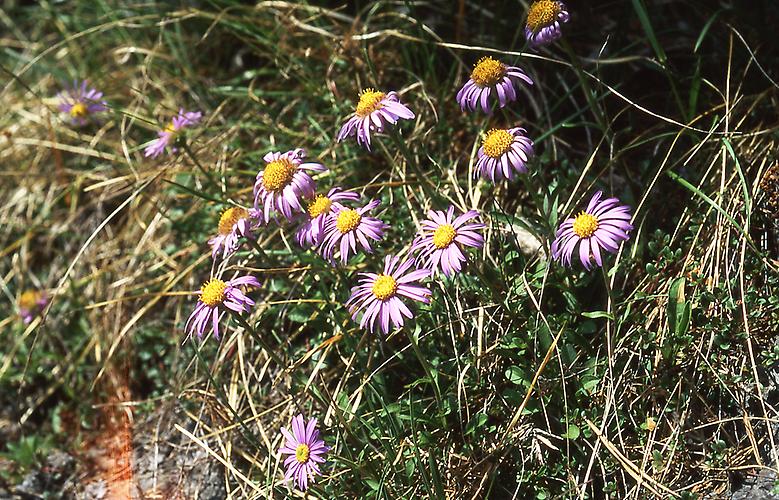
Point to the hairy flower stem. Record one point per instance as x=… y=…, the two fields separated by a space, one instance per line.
x=609 y=347
x=426 y=365
x=609 y=306
x=519 y=32
x=404 y=150
x=259 y=339
x=255 y=245
x=340 y=274
x=486 y=282
x=424 y=179
x=197 y=163
x=584 y=79
x=249 y=434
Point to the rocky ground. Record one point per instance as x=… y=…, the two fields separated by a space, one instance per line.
x=166 y=467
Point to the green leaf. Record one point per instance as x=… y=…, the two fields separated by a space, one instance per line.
x=678 y=308
x=716 y=207
x=598 y=314
x=515 y=375
x=572 y=432
x=643 y=17
x=590 y=385
x=300 y=314
x=657 y=460
x=705 y=30
x=475 y=423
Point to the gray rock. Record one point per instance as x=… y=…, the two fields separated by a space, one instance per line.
x=759 y=487
x=54 y=480
x=96 y=490
x=526 y=241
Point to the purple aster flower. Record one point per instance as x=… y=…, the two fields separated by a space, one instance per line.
x=169 y=134
x=81 y=102
x=283 y=182
x=502 y=153
x=378 y=295
x=306 y=451
x=543 y=22
x=234 y=223
x=31 y=304
x=316 y=216
x=347 y=226
x=374 y=110
x=604 y=225
x=442 y=237
x=491 y=77
x=215 y=297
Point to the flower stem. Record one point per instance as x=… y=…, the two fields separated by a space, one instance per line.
x=423 y=178
x=609 y=347
x=404 y=149
x=583 y=78
x=259 y=339
x=225 y=401
x=428 y=369
x=255 y=245
x=198 y=164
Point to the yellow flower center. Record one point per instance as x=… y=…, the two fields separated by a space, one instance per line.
x=443 y=236
x=385 y=287
x=213 y=292
x=278 y=174
x=488 y=71
x=348 y=220
x=370 y=101
x=302 y=452
x=585 y=225
x=29 y=299
x=321 y=205
x=170 y=128
x=79 y=110
x=542 y=13
x=229 y=218
x=497 y=142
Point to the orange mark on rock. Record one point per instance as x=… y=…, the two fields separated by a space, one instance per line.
x=111 y=449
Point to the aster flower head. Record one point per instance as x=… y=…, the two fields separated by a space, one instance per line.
x=214 y=299
x=283 y=182
x=234 y=223
x=442 y=237
x=346 y=227
x=306 y=451
x=317 y=212
x=603 y=226
x=380 y=297
x=544 y=18
x=183 y=120
x=374 y=111
x=491 y=77
x=31 y=304
x=81 y=102
x=502 y=153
